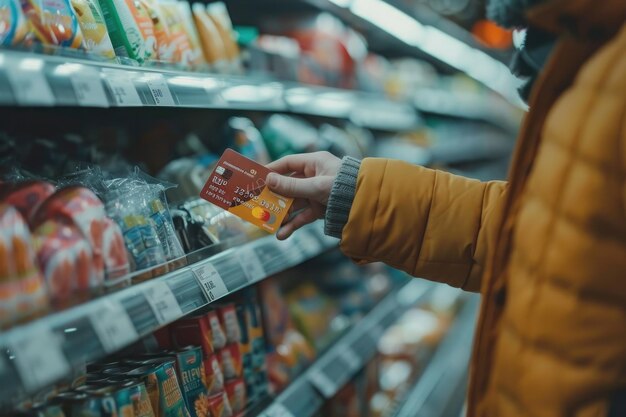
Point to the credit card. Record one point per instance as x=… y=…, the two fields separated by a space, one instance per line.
x=237 y=184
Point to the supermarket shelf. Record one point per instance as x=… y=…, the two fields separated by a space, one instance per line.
x=442 y=384
x=28 y=79
x=306 y=395
x=49 y=349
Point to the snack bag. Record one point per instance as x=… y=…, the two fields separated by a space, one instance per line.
x=114 y=253
x=192 y=331
x=236 y=392
x=210 y=39
x=93 y=27
x=194 y=58
x=131 y=29
x=214 y=375
x=27 y=196
x=220 y=17
x=13 y=25
x=178 y=35
x=230 y=358
x=22 y=293
x=166 y=50
x=219 y=405
x=219 y=337
x=53 y=22
x=230 y=323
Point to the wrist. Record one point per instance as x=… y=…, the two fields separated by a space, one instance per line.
x=341 y=197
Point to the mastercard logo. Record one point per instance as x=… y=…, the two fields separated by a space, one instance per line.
x=263 y=215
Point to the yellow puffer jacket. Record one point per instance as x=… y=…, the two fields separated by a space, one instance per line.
x=547 y=249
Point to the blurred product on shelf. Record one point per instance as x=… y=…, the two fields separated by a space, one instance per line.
x=22 y=292
x=14 y=26
x=52 y=23
x=221 y=19
x=210 y=38
x=277 y=131
x=93 y=26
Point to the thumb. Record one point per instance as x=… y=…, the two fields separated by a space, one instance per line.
x=294 y=187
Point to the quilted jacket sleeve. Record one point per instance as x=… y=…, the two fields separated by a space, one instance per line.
x=429 y=223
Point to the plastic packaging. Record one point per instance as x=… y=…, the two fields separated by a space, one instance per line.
x=219 y=15
x=230 y=358
x=219 y=405
x=219 y=337
x=236 y=392
x=131 y=29
x=195 y=57
x=210 y=39
x=247 y=139
x=179 y=38
x=192 y=331
x=13 y=25
x=93 y=27
x=228 y=319
x=26 y=196
x=22 y=293
x=214 y=375
x=166 y=50
x=53 y=23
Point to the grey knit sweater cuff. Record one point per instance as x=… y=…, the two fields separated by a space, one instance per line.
x=341 y=197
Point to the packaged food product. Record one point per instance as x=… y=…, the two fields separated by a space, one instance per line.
x=140 y=400
x=228 y=319
x=219 y=405
x=81 y=207
x=97 y=404
x=53 y=23
x=170 y=398
x=210 y=39
x=230 y=359
x=123 y=401
x=236 y=391
x=162 y=221
x=219 y=337
x=26 y=196
x=195 y=57
x=114 y=253
x=13 y=25
x=22 y=291
x=279 y=140
x=166 y=50
x=148 y=375
x=214 y=375
x=142 y=241
x=178 y=35
x=93 y=27
x=130 y=28
x=219 y=15
x=247 y=139
x=192 y=331
x=193 y=379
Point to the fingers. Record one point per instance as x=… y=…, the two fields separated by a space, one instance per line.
x=292 y=187
x=290 y=163
x=303 y=218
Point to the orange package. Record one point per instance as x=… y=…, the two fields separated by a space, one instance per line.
x=220 y=17
x=210 y=39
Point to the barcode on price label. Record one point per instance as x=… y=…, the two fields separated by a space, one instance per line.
x=122 y=88
x=251 y=264
x=210 y=281
x=163 y=302
x=88 y=87
x=38 y=357
x=160 y=91
x=113 y=325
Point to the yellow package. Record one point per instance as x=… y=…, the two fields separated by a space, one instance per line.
x=220 y=17
x=195 y=58
x=53 y=23
x=93 y=27
x=13 y=27
x=210 y=39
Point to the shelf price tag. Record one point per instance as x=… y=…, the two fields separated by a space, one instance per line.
x=38 y=357
x=251 y=264
x=326 y=386
x=28 y=81
x=277 y=410
x=160 y=91
x=122 y=88
x=88 y=87
x=351 y=358
x=112 y=325
x=163 y=302
x=210 y=281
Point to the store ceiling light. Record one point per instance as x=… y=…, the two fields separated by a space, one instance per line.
x=448 y=49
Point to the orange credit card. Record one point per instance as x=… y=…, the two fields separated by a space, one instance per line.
x=237 y=184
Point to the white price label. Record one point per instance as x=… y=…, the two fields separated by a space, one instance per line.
x=160 y=91
x=29 y=83
x=251 y=264
x=38 y=357
x=326 y=386
x=88 y=88
x=210 y=281
x=122 y=88
x=163 y=302
x=278 y=410
x=113 y=325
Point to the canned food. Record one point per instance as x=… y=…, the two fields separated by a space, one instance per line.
x=169 y=400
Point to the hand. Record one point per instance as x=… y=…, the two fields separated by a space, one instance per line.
x=308 y=178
